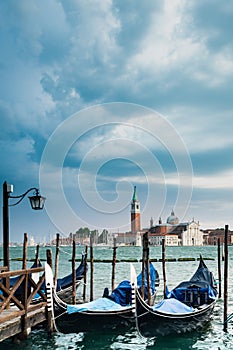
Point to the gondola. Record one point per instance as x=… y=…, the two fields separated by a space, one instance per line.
x=112 y=311
x=188 y=307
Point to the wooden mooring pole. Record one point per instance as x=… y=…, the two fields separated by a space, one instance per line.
x=73 y=274
x=146 y=268
x=164 y=268
x=114 y=263
x=92 y=269
x=225 y=278
x=85 y=274
x=147 y=264
x=219 y=270
x=37 y=255
x=25 y=247
x=143 y=266
x=49 y=257
x=56 y=260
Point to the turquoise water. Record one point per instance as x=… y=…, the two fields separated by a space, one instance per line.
x=213 y=337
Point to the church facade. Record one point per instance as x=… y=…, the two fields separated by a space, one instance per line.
x=176 y=233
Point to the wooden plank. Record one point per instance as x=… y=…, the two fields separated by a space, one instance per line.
x=13 y=326
x=9 y=315
x=37 y=307
x=10 y=329
x=3 y=268
x=37 y=317
x=11 y=296
x=36 y=289
x=14 y=273
x=13 y=312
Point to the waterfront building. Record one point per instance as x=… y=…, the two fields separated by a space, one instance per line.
x=180 y=233
x=125 y=238
x=170 y=239
x=211 y=236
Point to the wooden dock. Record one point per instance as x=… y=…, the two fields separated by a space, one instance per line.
x=19 y=312
x=11 y=325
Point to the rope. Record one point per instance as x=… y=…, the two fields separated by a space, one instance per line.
x=63 y=251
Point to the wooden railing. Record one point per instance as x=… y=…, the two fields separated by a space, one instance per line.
x=17 y=298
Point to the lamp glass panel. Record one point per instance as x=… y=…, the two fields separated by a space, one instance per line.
x=37 y=202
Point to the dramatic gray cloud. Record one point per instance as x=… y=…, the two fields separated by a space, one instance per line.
x=175 y=57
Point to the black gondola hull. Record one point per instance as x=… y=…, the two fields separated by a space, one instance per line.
x=94 y=321
x=115 y=312
x=152 y=323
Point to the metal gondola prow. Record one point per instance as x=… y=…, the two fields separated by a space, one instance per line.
x=133 y=282
x=49 y=282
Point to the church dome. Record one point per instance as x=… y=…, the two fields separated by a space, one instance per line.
x=172 y=219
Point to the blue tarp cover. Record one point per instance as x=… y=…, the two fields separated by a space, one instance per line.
x=154 y=278
x=68 y=280
x=100 y=304
x=199 y=290
x=172 y=306
x=181 y=292
x=122 y=293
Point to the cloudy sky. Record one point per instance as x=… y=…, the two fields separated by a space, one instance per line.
x=99 y=96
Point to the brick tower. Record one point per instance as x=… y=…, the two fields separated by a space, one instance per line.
x=135 y=213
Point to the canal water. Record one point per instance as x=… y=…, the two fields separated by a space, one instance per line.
x=213 y=337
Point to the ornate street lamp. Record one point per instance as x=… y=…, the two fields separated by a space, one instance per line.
x=37 y=203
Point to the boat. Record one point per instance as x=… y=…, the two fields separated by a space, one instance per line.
x=188 y=307
x=112 y=311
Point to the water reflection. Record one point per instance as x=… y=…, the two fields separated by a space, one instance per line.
x=213 y=338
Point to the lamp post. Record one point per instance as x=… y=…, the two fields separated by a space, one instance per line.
x=37 y=203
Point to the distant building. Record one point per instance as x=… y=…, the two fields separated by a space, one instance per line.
x=134 y=236
x=170 y=239
x=135 y=214
x=124 y=238
x=32 y=242
x=176 y=233
x=211 y=236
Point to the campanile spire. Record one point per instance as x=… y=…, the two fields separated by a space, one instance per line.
x=135 y=213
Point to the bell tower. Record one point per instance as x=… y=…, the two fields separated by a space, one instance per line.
x=135 y=213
